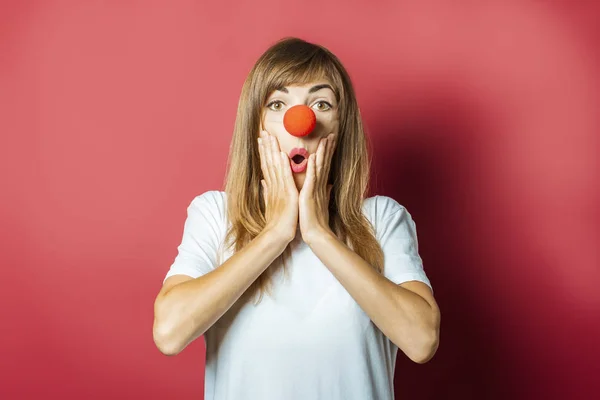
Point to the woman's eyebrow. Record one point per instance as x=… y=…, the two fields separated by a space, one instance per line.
x=311 y=90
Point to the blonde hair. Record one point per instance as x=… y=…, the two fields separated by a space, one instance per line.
x=295 y=61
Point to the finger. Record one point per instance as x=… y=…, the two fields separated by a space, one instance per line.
x=319 y=160
x=277 y=167
x=332 y=144
x=269 y=157
x=263 y=160
x=288 y=177
x=309 y=183
x=264 y=186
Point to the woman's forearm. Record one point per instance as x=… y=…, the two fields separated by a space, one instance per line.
x=409 y=320
x=185 y=311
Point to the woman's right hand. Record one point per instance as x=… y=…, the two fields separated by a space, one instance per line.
x=279 y=189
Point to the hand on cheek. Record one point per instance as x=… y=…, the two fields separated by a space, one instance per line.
x=314 y=197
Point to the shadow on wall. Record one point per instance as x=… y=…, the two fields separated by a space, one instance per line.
x=427 y=157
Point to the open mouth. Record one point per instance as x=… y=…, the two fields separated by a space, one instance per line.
x=298 y=159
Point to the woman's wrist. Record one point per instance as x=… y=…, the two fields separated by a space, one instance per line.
x=274 y=238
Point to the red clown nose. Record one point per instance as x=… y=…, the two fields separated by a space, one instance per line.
x=299 y=120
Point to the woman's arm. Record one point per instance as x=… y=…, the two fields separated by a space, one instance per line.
x=185 y=307
x=407 y=313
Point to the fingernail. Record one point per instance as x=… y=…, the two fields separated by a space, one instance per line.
x=259 y=141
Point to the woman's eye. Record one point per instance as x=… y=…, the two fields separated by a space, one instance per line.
x=277 y=105
x=273 y=103
x=325 y=106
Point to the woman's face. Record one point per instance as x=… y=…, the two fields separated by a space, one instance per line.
x=319 y=96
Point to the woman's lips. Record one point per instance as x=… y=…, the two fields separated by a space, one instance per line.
x=298 y=168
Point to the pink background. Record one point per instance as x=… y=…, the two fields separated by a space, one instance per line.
x=484 y=119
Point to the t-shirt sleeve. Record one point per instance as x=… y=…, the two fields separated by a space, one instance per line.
x=397 y=234
x=202 y=233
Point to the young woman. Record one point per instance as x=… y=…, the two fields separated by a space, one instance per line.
x=302 y=287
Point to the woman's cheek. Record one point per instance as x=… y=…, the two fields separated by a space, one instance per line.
x=273 y=124
x=329 y=122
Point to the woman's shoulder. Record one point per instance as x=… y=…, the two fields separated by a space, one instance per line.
x=379 y=208
x=210 y=202
x=215 y=197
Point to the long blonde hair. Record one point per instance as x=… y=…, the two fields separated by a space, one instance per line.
x=295 y=61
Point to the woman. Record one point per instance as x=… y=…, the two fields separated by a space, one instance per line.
x=302 y=287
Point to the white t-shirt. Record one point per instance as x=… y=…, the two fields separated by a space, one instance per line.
x=310 y=340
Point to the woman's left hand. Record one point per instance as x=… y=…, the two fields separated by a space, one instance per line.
x=315 y=194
